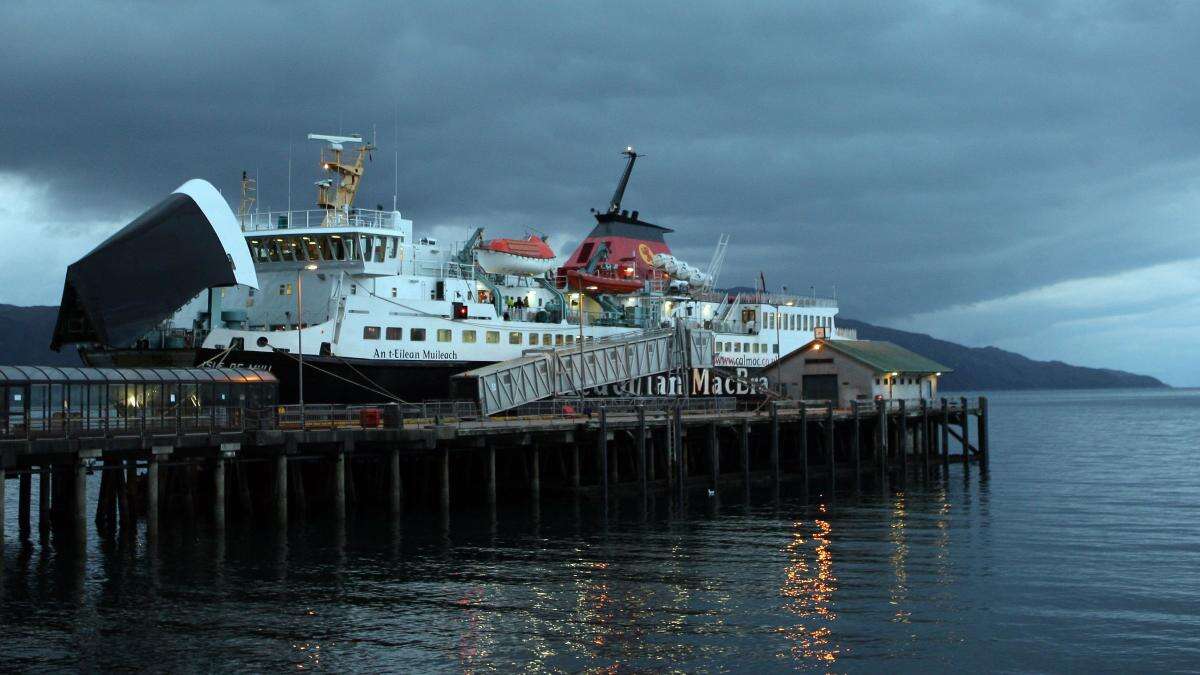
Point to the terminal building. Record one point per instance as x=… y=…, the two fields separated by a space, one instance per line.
x=848 y=370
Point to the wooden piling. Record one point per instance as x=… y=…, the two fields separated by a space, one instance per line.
x=444 y=479
x=218 y=506
x=945 y=422
x=641 y=447
x=775 y=442
x=3 y=501
x=152 y=495
x=44 y=480
x=575 y=466
x=80 y=497
x=881 y=412
x=602 y=449
x=902 y=441
x=830 y=448
x=981 y=422
x=281 y=488
x=744 y=446
x=490 y=477
x=535 y=475
x=804 y=443
x=926 y=443
x=966 y=436
x=24 y=499
x=714 y=455
x=395 y=482
x=857 y=447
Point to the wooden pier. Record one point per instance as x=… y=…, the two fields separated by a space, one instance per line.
x=268 y=468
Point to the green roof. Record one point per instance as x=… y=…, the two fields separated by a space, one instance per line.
x=882 y=356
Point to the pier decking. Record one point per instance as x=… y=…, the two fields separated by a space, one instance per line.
x=267 y=464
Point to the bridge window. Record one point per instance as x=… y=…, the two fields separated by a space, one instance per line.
x=492 y=337
x=468 y=336
x=370 y=332
x=395 y=333
x=416 y=334
x=391 y=247
x=514 y=338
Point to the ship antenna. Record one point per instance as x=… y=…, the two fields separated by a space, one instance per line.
x=615 y=205
x=396 y=156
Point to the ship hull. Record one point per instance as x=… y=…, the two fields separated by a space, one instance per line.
x=182 y=357
x=337 y=380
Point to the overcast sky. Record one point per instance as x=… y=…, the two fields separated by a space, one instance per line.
x=1023 y=174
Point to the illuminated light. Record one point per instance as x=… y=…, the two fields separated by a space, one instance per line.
x=337 y=236
x=937 y=374
x=310 y=267
x=895 y=374
x=816 y=348
x=326 y=166
x=279 y=239
x=790 y=303
x=593 y=288
x=253 y=241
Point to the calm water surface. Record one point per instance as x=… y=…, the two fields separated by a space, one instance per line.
x=1080 y=550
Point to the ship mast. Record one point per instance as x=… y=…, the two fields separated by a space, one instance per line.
x=614 y=206
x=249 y=195
x=336 y=193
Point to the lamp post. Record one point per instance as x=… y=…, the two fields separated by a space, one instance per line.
x=300 y=335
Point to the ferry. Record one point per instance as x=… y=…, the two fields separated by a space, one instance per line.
x=377 y=313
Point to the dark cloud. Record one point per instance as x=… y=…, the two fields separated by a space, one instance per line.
x=917 y=155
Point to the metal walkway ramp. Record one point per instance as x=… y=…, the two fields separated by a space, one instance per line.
x=543 y=373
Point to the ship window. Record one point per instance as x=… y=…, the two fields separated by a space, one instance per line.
x=326 y=249
x=443 y=335
x=547 y=339
x=353 y=289
x=570 y=339
x=746 y=347
x=533 y=338
x=285 y=289
x=877 y=381
x=775 y=348
x=395 y=333
x=393 y=291
x=378 y=249
x=314 y=250
x=416 y=334
x=514 y=338
x=492 y=337
x=468 y=336
x=737 y=346
x=391 y=247
x=558 y=339
x=370 y=332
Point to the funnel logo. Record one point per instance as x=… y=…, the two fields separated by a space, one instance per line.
x=645 y=253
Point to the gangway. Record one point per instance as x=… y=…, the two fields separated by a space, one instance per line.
x=543 y=373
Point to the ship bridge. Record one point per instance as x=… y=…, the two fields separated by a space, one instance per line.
x=544 y=373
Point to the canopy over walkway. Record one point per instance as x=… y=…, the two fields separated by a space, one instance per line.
x=543 y=373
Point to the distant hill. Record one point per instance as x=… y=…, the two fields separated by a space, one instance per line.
x=25 y=337
x=993 y=368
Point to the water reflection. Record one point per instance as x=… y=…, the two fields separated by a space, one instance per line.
x=809 y=585
x=898 y=536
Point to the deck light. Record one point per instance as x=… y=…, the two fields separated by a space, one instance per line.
x=937 y=374
x=310 y=267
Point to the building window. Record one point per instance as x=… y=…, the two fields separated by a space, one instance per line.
x=468 y=336
x=416 y=334
x=443 y=335
x=492 y=337
x=514 y=338
x=370 y=332
x=395 y=333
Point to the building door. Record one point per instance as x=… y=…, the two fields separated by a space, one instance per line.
x=821 y=388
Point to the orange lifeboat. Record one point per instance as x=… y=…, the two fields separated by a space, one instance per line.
x=529 y=256
x=581 y=280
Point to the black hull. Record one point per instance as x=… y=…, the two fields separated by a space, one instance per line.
x=331 y=380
